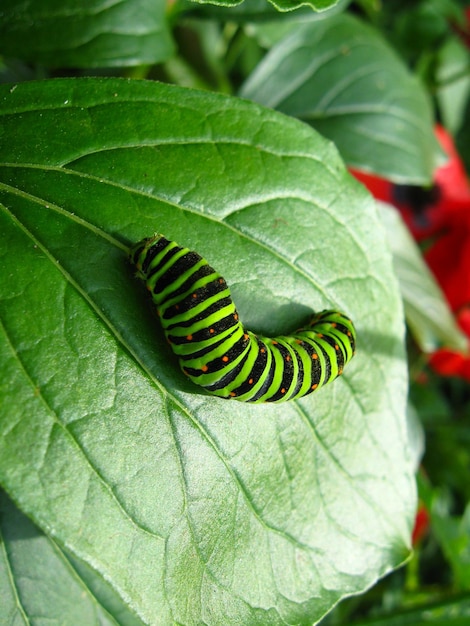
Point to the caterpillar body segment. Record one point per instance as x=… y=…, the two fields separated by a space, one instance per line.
x=214 y=349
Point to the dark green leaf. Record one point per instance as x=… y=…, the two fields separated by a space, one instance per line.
x=448 y=612
x=268 y=32
x=256 y=13
x=453 y=534
x=96 y=33
x=281 y=5
x=341 y=77
x=193 y=508
x=453 y=76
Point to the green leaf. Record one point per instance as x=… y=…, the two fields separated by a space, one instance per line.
x=281 y=5
x=254 y=14
x=37 y=578
x=427 y=312
x=447 y=456
x=453 y=76
x=341 y=77
x=193 y=508
x=454 y=611
x=269 y=32
x=95 y=33
x=453 y=533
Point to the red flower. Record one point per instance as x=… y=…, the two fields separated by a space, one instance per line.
x=441 y=219
x=449 y=362
x=421 y=524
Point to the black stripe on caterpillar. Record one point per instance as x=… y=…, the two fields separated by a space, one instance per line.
x=215 y=351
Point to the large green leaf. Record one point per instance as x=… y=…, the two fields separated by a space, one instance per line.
x=193 y=508
x=340 y=76
x=96 y=33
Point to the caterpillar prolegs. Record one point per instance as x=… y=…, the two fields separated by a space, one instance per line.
x=201 y=324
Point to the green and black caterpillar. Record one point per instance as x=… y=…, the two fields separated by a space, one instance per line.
x=201 y=324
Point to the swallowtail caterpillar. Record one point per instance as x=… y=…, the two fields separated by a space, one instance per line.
x=202 y=326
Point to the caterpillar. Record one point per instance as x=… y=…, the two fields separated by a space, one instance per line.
x=215 y=351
